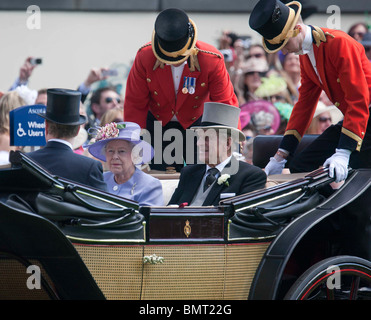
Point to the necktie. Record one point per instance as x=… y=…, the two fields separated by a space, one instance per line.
x=211 y=177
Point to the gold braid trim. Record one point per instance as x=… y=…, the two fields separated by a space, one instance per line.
x=320 y=36
x=194 y=59
x=158 y=63
x=210 y=52
x=294 y=133
x=143 y=46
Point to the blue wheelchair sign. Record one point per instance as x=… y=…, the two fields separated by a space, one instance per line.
x=27 y=128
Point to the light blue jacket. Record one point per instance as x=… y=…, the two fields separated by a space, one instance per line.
x=141 y=187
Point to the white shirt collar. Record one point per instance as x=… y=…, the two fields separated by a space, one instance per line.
x=62 y=141
x=221 y=165
x=307 y=45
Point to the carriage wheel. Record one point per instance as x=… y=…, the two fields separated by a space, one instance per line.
x=335 y=278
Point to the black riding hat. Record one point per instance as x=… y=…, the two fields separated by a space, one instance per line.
x=275 y=21
x=174 y=36
x=63 y=107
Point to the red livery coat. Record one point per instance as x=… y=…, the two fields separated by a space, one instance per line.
x=153 y=90
x=345 y=74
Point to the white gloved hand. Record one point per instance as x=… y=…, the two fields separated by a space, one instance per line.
x=274 y=166
x=338 y=163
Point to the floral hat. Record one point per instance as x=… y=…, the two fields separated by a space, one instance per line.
x=129 y=131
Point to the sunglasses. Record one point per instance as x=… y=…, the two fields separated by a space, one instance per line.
x=261 y=74
x=360 y=34
x=109 y=99
x=275 y=97
x=324 y=119
x=256 y=55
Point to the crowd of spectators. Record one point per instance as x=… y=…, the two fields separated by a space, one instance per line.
x=259 y=79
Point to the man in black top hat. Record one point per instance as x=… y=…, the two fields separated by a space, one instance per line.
x=330 y=61
x=219 y=174
x=172 y=77
x=62 y=125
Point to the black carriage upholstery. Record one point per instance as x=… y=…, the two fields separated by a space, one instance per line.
x=28 y=239
x=265 y=146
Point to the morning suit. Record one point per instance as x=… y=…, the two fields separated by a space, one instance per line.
x=344 y=73
x=60 y=160
x=248 y=178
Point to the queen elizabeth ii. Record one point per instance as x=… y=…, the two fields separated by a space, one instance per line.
x=120 y=146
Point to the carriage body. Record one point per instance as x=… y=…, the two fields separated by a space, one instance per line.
x=253 y=246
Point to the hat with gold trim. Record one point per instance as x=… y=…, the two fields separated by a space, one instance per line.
x=275 y=21
x=174 y=36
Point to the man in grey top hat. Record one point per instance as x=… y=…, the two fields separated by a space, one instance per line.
x=62 y=125
x=220 y=175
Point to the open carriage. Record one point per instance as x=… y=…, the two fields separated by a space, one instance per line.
x=288 y=241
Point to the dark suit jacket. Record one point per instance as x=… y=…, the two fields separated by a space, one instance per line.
x=248 y=178
x=60 y=160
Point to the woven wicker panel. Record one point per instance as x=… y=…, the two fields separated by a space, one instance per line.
x=202 y=272
x=188 y=272
x=116 y=269
x=242 y=262
x=13 y=281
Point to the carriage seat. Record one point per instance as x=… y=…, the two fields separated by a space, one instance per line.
x=265 y=146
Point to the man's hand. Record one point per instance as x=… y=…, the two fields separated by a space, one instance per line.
x=338 y=163
x=94 y=75
x=26 y=70
x=276 y=163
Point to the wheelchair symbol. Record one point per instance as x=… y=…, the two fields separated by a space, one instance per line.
x=20 y=131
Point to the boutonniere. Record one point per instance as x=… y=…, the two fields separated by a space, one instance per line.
x=223 y=179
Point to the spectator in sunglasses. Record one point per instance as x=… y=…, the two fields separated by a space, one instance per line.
x=324 y=117
x=256 y=51
x=358 y=30
x=252 y=71
x=101 y=101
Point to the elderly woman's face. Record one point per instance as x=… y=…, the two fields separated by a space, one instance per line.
x=118 y=156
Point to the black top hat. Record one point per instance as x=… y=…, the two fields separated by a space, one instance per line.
x=275 y=21
x=174 y=36
x=63 y=107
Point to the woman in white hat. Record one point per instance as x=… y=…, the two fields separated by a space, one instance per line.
x=120 y=146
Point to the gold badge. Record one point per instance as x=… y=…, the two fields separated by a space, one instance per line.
x=187 y=229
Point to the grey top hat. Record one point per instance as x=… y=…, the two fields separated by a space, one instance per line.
x=63 y=107
x=221 y=116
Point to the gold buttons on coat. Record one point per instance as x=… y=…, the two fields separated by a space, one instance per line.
x=203 y=84
x=195 y=107
x=337 y=104
x=338 y=80
x=149 y=80
x=157 y=115
x=155 y=93
x=193 y=118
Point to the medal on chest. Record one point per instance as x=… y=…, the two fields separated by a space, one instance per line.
x=189 y=85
